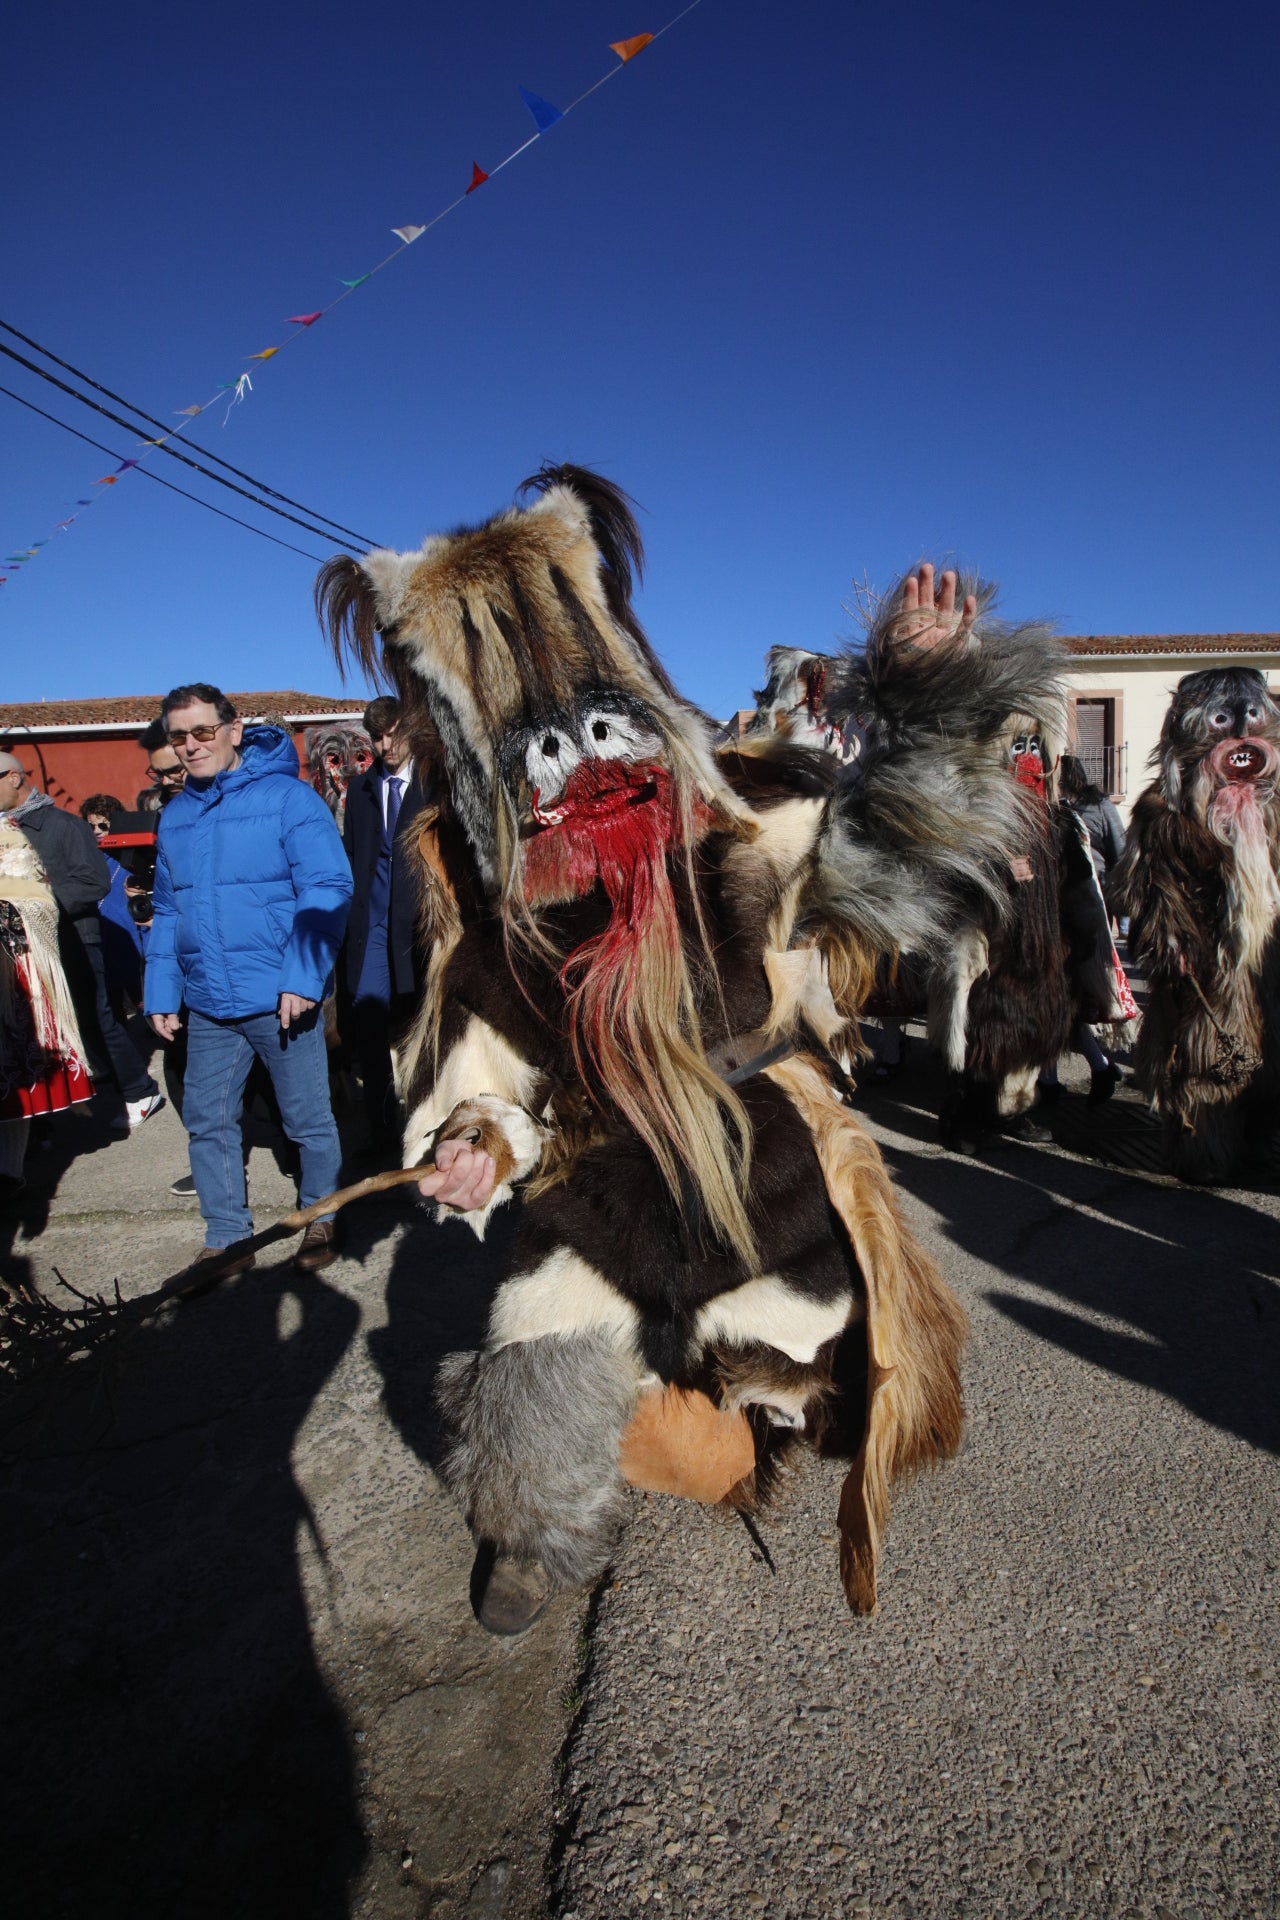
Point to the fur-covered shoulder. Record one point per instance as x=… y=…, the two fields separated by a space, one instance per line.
x=765 y=768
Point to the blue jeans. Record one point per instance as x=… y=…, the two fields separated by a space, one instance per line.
x=219 y=1055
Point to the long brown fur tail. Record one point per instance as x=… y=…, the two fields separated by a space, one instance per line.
x=916 y=1329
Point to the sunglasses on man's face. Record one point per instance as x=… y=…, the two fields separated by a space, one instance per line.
x=100 y=826
x=181 y=735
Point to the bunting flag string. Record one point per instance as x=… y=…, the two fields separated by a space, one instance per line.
x=545 y=117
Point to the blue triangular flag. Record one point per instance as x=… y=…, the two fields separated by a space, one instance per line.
x=544 y=114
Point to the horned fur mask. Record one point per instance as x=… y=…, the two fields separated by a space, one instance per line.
x=572 y=762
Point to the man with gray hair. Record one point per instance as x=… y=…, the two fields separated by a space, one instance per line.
x=251 y=896
x=80 y=878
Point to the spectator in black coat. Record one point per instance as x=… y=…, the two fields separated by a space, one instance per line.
x=79 y=876
x=1091 y=806
x=379 y=970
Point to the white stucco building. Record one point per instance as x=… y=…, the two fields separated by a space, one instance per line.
x=1120 y=687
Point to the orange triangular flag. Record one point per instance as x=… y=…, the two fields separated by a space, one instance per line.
x=264 y=355
x=478 y=177
x=107 y=480
x=628 y=49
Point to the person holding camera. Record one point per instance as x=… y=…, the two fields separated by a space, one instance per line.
x=121 y=933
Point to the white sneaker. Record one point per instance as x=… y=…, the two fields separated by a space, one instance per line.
x=137 y=1111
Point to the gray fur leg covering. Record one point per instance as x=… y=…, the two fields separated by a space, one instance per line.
x=534 y=1458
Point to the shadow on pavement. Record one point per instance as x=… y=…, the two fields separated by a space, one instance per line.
x=439 y=1292
x=56 y=1143
x=172 y=1746
x=1190 y=1271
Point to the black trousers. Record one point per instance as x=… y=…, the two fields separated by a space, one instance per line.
x=112 y=1054
x=371 y=1027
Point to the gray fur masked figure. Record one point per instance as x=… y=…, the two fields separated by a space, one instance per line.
x=627 y=1028
x=1003 y=989
x=1199 y=883
x=337 y=753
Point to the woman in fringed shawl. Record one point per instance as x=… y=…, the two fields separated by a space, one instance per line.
x=41 y=1055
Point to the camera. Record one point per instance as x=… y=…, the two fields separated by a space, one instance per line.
x=132 y=840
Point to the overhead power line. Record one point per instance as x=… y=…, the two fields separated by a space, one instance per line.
x=151 y=420
x=161 y=482
x=321 y=533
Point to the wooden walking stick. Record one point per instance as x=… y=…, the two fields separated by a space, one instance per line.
x=207 y=1273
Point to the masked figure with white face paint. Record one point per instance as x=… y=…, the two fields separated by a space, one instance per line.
x=626 y=1034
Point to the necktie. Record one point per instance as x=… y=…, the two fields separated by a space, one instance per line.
x=394 y=796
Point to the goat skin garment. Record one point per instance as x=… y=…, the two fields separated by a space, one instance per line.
x=681 y=1442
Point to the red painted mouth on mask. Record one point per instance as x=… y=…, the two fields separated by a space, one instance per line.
x=612 y=816
x=1028 y=771
x=1235 y=761
x=599 y=790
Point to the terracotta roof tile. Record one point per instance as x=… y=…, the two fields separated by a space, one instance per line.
x=138 y=710
x=1158 y=644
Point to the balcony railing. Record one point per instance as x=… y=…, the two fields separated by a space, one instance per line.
x=1108 y=768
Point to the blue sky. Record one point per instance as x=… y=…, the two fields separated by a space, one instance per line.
x=827 y=288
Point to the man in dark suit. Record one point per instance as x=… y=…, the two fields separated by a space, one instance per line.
x=379 y=974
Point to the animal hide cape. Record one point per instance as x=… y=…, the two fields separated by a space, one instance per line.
x=627 y=1007
x=1198 y=881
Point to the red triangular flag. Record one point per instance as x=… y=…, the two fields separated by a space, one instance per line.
x=628 y=49
x=478 y=177
x=302 y=319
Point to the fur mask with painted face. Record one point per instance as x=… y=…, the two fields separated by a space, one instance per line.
x=337 y=755
x=1218 y=755
x=575 y=769
x=518 y=642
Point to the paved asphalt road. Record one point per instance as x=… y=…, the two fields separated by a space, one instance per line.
x=242 y=1677
x=1067 y=1703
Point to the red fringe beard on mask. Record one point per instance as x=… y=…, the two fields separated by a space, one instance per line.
x=632 y=1012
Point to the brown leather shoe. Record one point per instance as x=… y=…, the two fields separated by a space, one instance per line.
x=319 y=1247
x=197 y=1279
x=242 y=1265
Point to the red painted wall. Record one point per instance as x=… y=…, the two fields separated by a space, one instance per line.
x=71 y=769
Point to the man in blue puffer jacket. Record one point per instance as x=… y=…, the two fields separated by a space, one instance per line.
x=251 y=894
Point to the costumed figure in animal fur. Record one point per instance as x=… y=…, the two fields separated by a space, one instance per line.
x=626 y=1035
x=337 y=753
x=1198 y=881
x=793 y=704
x=1024 y=969
x=1018 y=967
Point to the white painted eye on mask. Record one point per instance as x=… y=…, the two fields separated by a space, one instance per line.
x=611 y=735
x=549 y=759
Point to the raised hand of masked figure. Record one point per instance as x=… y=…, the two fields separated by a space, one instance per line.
x=928 y=618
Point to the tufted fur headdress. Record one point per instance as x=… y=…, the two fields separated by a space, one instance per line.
x=507 y=630
x=572 y=763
